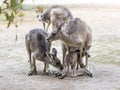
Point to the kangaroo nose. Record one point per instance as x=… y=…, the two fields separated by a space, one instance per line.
x=37 y=16
x=47 y=38
x=61 y=68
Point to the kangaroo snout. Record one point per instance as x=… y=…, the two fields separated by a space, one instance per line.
x=48 y=39
x=37 y=16
x=39 y=20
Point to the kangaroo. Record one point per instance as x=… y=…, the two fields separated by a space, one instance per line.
x=38 y=49
x=74 y=34
x=55 y=15
x=71 y=60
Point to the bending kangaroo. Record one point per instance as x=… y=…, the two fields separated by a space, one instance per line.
x=38 y=49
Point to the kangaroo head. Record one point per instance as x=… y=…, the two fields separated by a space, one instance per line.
x=55 y=35
x=55 y=60
x=39 y=12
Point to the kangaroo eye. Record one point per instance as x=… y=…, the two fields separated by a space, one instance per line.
x=41 y=16
x=54 y=34
x=37 y=16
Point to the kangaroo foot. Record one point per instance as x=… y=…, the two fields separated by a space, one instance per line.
x=45 y=73
x=63 y=76
x=31 y=73
x=73 y=75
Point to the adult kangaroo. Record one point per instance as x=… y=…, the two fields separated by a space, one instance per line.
x=74 y=34
x=38 y=49
x=55 y=15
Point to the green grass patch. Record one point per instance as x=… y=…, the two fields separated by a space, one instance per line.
x=106 y=50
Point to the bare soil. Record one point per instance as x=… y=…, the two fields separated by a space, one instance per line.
x=104 y=61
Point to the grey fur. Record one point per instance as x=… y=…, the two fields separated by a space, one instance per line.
x=74 y=34
x=55 y=15
x=70 y=60
x=38 y=49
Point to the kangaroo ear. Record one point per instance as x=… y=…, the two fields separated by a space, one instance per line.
x=50 y=56
x=39 y=9
x=60 y=27
x=54 y=52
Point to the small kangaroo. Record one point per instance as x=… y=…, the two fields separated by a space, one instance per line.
x=72 y=60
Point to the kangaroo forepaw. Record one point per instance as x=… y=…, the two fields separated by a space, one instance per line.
x=88 y=73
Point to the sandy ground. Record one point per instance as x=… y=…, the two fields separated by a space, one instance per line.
x=104 y=63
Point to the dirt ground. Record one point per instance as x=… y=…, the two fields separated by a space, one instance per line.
x=104 y=61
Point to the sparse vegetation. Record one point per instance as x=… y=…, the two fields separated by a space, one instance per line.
x=106 y=50
x=104 y=61
x=11 y=9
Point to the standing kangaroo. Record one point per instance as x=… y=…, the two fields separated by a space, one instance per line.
x=38 y=49
x=74 y=34
x=55 y=15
